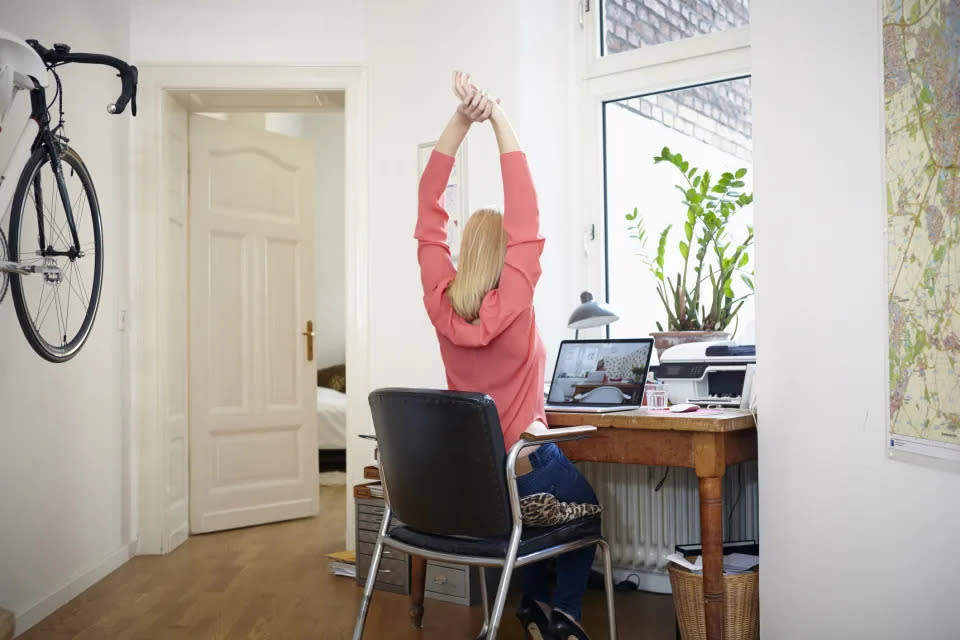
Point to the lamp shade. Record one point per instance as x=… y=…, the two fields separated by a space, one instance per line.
x=591 y=313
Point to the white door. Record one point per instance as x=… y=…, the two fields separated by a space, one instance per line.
x=253 y=440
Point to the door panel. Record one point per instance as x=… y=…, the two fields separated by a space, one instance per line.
x=253 y=413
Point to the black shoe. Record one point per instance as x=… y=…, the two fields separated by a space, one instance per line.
x=564 y=628
x=534 y=621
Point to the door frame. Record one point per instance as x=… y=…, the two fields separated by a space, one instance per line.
x=148 y=333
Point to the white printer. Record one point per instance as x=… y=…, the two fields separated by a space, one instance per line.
x=706 y=373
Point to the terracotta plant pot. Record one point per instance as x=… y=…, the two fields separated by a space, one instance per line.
x=663 y=340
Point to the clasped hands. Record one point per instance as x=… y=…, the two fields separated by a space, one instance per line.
x=475 y=105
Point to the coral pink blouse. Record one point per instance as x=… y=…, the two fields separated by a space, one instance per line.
x=502 y=354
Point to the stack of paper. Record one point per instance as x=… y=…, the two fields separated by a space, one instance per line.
x=733 y=563
x=739 y=563
x=696 y=566
x=343 y=563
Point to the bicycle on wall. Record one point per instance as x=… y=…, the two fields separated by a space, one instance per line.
x=51 y=257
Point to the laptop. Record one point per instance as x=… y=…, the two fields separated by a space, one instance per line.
x=599 y=376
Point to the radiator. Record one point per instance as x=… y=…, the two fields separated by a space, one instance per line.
x=642 y=526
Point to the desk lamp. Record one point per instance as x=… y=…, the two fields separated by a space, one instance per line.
x=590 y=313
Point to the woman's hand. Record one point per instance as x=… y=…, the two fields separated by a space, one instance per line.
x=477 y=107
x=475 y=104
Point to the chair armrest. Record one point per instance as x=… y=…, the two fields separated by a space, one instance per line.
x=559 y=434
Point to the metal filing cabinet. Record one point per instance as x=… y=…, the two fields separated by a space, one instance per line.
x=452 y=583
x=394 y=572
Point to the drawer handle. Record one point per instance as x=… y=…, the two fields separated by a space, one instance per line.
x=441 y=579
x=384 y=571
x=386 y=552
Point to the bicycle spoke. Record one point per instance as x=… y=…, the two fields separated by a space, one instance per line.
x=39 y=304
x=79 y=295
x=39 y=324
x=62 y=330
x=79 y=218
x=83 y=285
x=69 y=298
x=48 y=218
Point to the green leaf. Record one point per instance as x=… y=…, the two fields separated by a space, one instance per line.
x=747 y=280
x=736 y=184
x=684 y=250
x=662 y=246
x=688 y=231
x=741 y=172
x=632 y=216
x=743 y=261
x=926 y=95
x=718 y=189
x=696 y=181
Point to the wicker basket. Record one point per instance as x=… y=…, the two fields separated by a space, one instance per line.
x=741 y=604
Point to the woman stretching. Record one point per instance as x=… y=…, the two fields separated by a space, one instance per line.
x=484 y=318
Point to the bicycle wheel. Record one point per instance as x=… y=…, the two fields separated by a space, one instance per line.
x=4 y=278
x=57 y=307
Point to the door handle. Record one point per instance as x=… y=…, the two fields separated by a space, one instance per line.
x=309 y=335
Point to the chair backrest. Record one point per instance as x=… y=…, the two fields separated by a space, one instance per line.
x=443 y=461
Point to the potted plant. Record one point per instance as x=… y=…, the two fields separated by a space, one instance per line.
x=700 y=301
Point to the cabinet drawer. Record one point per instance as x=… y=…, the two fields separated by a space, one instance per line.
x=366 y=536
x=366 y=549
x=447 y=579
x=373 y=510
x=391 y=571
x=369 y=521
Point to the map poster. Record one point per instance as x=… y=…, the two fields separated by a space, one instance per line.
x=921 y=83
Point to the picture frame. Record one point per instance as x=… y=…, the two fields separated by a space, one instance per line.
x=455 y=196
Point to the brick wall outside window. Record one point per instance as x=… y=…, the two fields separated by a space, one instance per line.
x=718 y=114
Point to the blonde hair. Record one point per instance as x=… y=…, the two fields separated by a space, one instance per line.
x=482 y=249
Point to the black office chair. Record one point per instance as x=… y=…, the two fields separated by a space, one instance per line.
x=447 y=478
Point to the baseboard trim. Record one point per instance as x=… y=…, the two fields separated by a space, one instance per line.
x=74 y=587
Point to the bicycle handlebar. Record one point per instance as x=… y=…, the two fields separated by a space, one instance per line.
x=127 y=72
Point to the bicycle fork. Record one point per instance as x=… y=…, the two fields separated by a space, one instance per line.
x=48 y=268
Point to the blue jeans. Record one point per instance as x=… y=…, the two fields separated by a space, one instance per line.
x=553 y=473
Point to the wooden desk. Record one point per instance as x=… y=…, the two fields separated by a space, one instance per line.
x=705 y=442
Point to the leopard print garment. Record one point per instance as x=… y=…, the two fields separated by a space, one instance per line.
x=545 y=510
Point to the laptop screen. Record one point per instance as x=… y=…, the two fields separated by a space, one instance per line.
x=600 y=372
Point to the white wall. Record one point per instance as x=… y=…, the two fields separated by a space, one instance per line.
x=854 y=545
x=65 y=482
x=520 y=51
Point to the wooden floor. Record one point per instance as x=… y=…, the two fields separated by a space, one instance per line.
x=272 y=582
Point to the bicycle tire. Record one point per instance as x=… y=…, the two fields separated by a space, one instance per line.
x=4 y=277
x=42 y=347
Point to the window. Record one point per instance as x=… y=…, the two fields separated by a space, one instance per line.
x=631 y=24
x=680 y=79
x=711 y=126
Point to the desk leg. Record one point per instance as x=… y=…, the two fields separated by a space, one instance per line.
x=418 y=581
x=711 y=534
x=709 y=462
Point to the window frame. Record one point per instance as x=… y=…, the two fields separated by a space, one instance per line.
x=679 y=64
